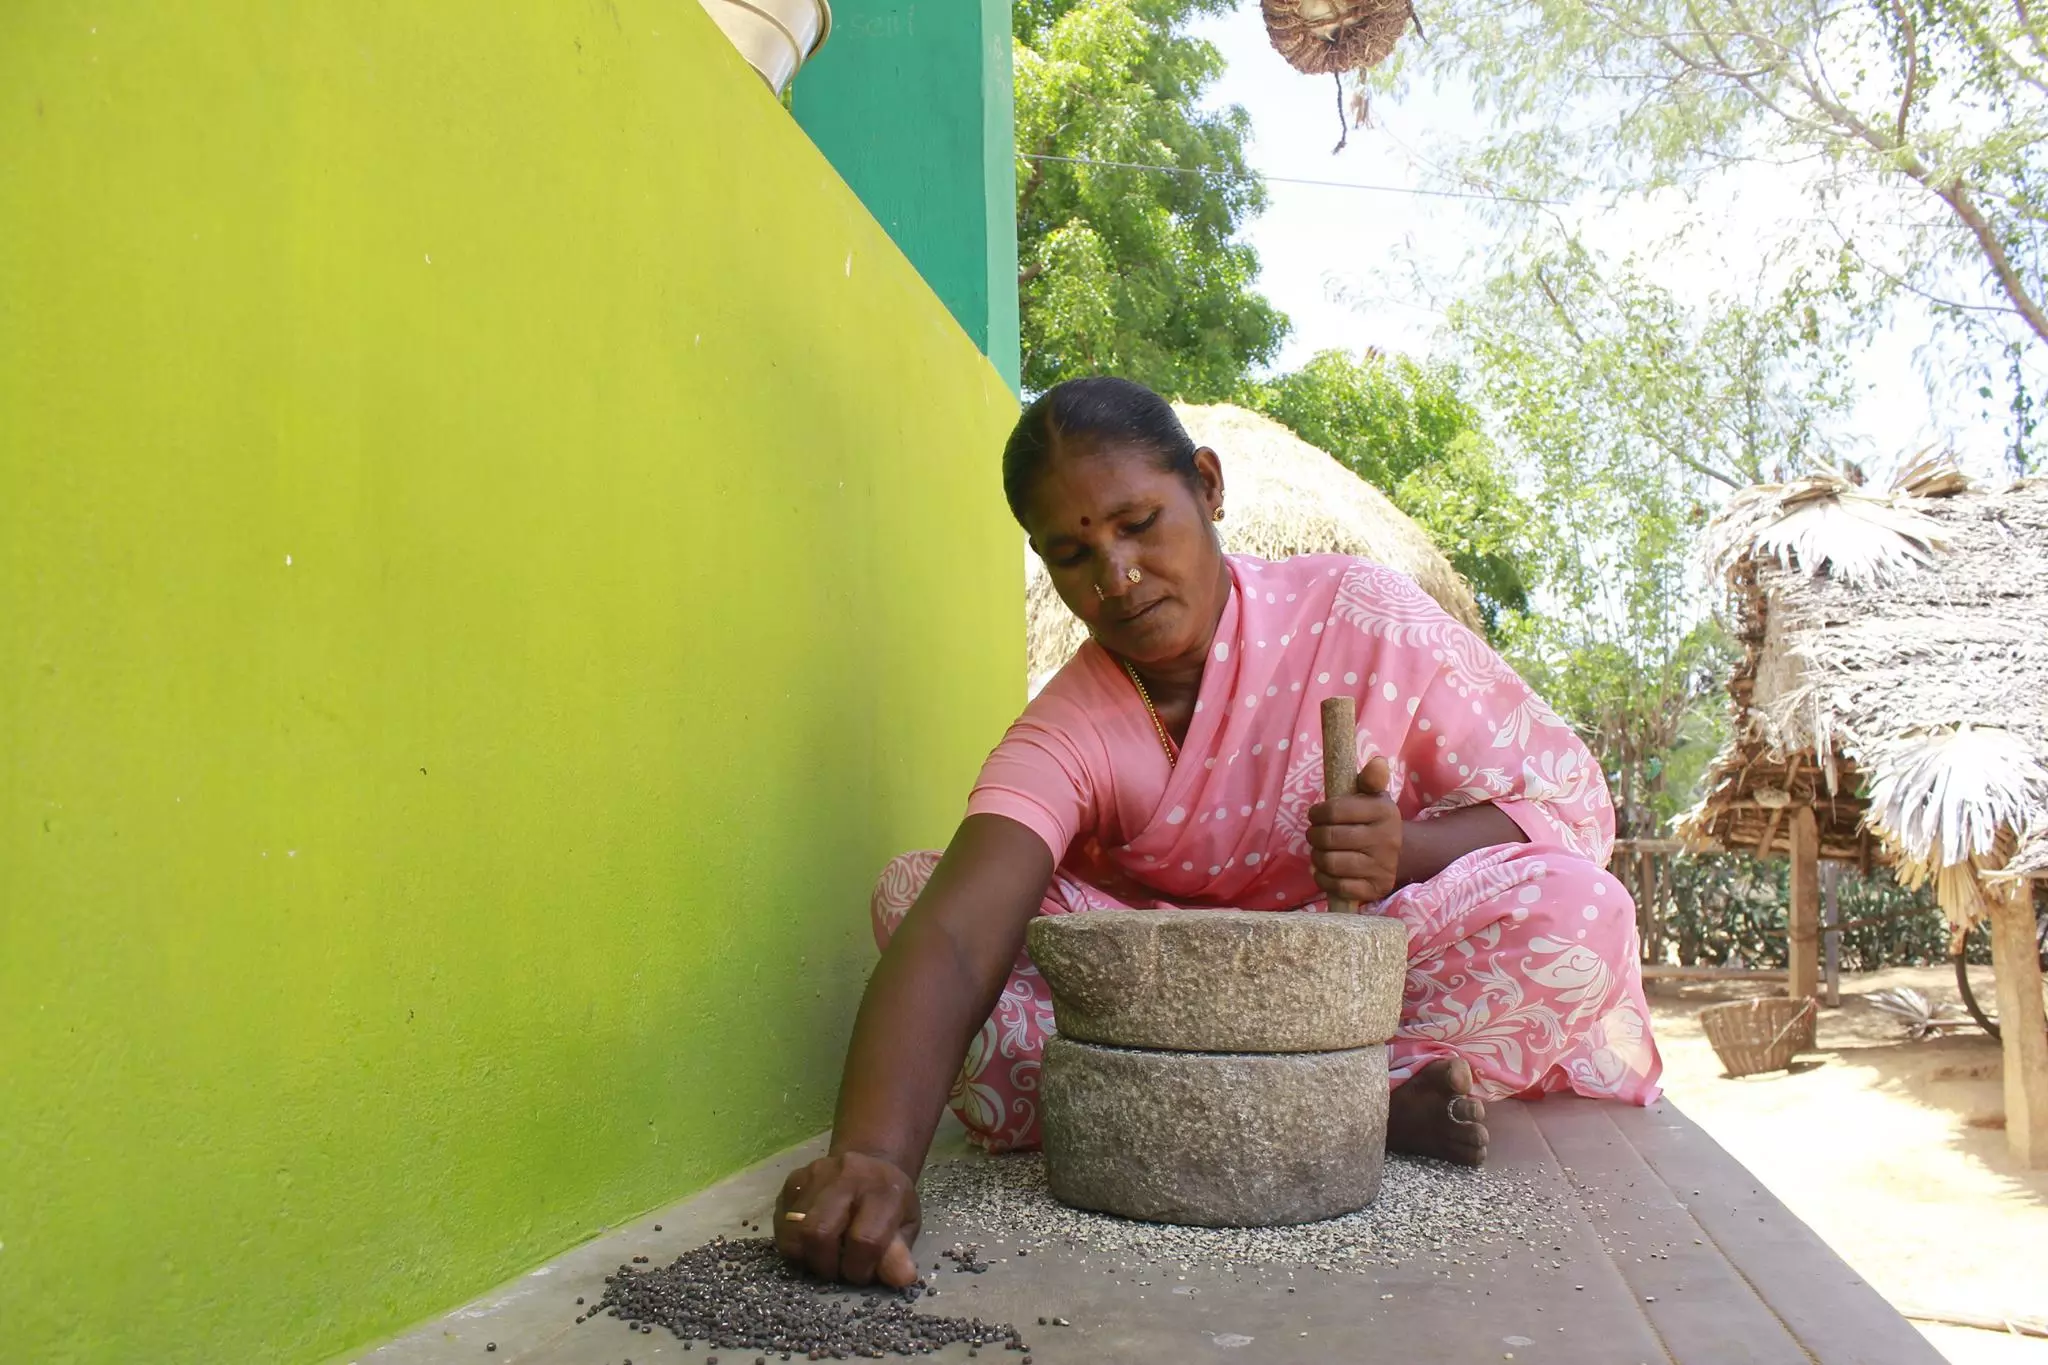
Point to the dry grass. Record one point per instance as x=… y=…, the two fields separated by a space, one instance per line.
x=1896 y=655
x=1823 y=524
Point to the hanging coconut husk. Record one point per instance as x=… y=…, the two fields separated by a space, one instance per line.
x=1323 y=36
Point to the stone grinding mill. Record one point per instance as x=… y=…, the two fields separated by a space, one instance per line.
x=1223 y=1068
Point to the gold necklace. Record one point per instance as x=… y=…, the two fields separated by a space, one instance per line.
x=1158 y=727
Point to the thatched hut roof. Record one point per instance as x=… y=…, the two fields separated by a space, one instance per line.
x=1894 y=674
x=1284 y=497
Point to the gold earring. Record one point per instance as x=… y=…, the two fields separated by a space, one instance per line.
x=1218 y=514
x=1131 y=575
x=1098 y=592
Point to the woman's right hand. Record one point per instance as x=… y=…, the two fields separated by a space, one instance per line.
x=860 y=1218
x=939 y=978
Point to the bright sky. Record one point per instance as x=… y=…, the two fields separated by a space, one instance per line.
x=1340 y=262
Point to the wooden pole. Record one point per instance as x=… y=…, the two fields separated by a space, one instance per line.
x=1340 y=763
x=1657 y=875
x=1664 y=971
x=1637 y=882
x=1830 y=917
x=1804 y=958
x=2020 y=1022
x=1639 y=892
x=1763 y=845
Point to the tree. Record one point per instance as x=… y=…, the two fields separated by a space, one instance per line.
x=1404 y=427
x=1732 y=391
x=1630 y=415
x=1918 y=127
x=1126 y=269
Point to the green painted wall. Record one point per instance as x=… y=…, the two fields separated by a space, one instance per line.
x=913 y=103
x=496 y=547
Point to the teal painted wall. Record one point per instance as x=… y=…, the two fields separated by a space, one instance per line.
x=913 y=103
x=496 y=547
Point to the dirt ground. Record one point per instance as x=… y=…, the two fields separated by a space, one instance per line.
x=1893 y=1150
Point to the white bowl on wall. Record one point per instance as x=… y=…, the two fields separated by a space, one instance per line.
x=775 y=36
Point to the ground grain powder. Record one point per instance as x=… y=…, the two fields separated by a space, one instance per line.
x=1424 y=1209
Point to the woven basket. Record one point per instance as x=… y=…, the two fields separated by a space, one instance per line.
x=1759 y=1035
x=1321 y=36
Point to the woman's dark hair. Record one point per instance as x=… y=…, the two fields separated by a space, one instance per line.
x=1086 y=415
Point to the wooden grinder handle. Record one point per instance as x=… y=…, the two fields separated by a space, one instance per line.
x=1340 y=764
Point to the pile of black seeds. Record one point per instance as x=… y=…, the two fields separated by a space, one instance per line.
x=743 y=1296
x=966 y=1260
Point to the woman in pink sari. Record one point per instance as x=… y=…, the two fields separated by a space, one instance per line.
x=1176 y=762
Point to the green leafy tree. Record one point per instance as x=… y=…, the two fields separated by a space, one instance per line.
x=1915 y=133
x=1125 y=269
x=1576 y=350
x=1631 y=414
x=1403 y=426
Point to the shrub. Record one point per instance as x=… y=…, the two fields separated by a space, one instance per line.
x=1727 y=909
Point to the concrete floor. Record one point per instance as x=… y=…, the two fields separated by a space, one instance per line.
x=1672 y=1254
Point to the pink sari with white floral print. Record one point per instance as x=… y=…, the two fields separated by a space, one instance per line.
x=1522 y=957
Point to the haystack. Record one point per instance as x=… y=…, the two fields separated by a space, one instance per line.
x=1891 y=704
x=1283 y=497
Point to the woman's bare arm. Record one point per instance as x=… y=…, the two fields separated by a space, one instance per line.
x=936 y=984
x=1429 y=846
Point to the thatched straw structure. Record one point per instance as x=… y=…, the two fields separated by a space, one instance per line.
x=1891 y=704
x=1894 y=676
x=1284 y=497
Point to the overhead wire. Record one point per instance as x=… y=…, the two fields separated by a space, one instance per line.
x=1291 y=180
x=1381 y=189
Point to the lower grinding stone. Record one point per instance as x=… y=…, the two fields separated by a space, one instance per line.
x=1214 y=1139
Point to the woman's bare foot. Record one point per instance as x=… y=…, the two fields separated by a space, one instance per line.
x=1434 y=1113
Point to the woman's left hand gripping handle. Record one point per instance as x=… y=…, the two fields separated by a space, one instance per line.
x=850 y=1217
x=1355 y=841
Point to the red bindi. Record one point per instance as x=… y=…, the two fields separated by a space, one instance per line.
x=1086 y=522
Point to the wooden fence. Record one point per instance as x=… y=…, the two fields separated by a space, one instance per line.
x=1644 y=867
